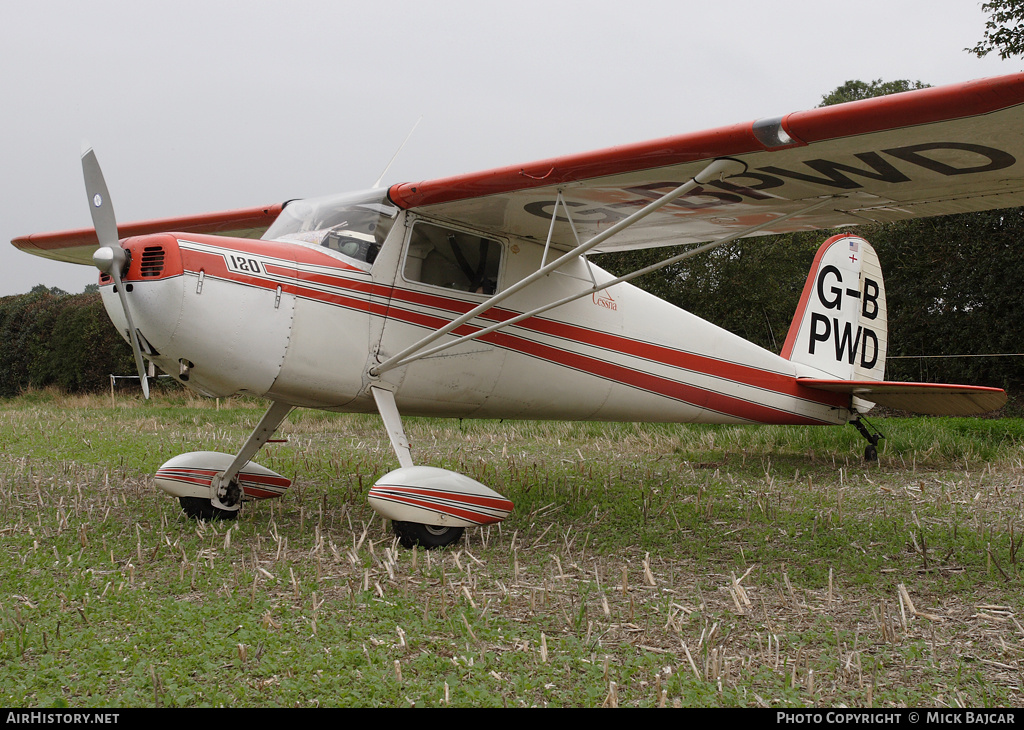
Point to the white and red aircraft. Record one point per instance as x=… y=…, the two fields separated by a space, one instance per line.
x=473 y=296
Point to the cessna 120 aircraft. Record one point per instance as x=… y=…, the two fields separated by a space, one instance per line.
x=473 y=296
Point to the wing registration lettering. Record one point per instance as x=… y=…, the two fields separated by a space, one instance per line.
x=894 y=166
x=921 y=153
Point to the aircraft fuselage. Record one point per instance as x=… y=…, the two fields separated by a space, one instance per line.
x=303 y=323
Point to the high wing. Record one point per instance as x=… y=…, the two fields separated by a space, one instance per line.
x=935 y=151
x=77 y=246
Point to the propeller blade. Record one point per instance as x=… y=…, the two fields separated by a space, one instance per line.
x=102 y=211
x=136 y=346
x=110 y=257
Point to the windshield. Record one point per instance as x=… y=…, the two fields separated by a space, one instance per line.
x=354 y=225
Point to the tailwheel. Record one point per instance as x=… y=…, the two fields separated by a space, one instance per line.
x=411 y=534
x=872 y=434
x=202 y=509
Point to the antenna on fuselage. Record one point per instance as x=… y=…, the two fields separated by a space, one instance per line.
x=395 y=156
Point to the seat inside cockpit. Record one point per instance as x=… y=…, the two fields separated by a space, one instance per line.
x=453 y=259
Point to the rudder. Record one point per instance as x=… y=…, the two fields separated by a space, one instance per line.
x=841 y=327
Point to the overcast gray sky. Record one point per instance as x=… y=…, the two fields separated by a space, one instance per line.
x=202 y=106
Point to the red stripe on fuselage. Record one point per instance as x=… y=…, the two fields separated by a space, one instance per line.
x=746 y=374
x=729 y=405
x=303 y=282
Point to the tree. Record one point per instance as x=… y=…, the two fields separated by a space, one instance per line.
x=43 y=289
x=49 y=337
x=1004 y=30
x=857 y=90
x=953 y=288
x=749 y=287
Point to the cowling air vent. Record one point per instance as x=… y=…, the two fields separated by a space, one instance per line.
x=152 y=261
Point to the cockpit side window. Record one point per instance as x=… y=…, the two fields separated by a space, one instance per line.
x=453 y=259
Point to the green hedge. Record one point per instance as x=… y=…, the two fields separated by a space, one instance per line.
x=51 y=338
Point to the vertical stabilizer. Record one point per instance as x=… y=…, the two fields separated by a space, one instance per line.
x=840 y=327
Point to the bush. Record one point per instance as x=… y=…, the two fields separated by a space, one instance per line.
x=51 y=338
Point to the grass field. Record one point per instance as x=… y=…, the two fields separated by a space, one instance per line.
x=643 y=565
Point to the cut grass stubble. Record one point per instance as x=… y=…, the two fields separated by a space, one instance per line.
x=643 y=565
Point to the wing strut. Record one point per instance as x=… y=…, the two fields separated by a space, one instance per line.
x=718 y=169
x=559 y=200
x=575 y=234
x=599 y=287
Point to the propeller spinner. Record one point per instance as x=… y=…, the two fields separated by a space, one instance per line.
x=110 y=258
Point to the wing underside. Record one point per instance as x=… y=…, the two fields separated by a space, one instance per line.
x=77 y=246
x=930 y=152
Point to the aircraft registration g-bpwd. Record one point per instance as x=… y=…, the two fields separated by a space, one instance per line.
x=473 y=297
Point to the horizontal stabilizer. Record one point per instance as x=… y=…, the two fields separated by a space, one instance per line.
x=931 y=399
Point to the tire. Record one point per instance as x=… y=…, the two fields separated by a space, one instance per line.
x=870 y=453
x=202 y=509
x=411 y=534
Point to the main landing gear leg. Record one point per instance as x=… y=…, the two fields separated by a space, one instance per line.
x=872 y=434
x=388 y=410
x=225 y=494
x=409 y=534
